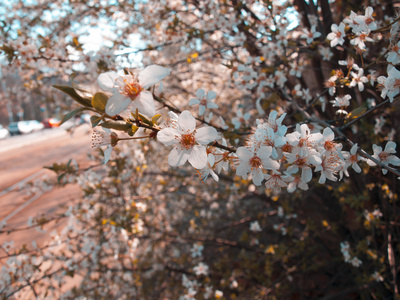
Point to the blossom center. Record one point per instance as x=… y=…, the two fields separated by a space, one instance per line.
x=188 y=141
x=131 y=89
x=329 y=84
x=255 y=162
x=329 y=145
x=302 y=142
x=369 y=20
x=383 y=156
x=363 y=37
x=353 y=158
x=300 y=161
x=287 y=148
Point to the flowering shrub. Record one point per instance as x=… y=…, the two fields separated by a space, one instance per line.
x=296 y=206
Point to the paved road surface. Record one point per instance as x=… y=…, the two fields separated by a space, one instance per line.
x=21 y=162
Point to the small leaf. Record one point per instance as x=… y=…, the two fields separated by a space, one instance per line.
x=117 y=126
x=355 y=113
x=55 y=167
x=145 y=119
x=60 y=177
x=132 y=130
x=72 y=113
x=95 y=120
x=155 y=118
x=81 y=92
x=99 y=101
x=73 y=94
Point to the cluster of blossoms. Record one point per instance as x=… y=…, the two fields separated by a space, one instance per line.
x=362 y=28
x=257 y=69
x=283 y=160
x=288 y=160
x=194 y=287
x=345 y=248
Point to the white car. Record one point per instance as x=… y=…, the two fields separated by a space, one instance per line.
x=23 y=127
x=4 y=133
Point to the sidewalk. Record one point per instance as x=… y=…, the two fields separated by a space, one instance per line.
x=19 y=141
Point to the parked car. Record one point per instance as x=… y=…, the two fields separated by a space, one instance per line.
x=23 y=127
x=4 y=133
x=51 y=122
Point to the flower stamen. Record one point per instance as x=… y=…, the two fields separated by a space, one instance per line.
x=187 y=141
x=131 y=88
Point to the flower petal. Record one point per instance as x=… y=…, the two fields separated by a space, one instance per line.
x=186 y=122
x=116 y=104
x=394 y=160
x=106 y=80
x=211 y=95
x=152 y=75
x=198 y=157
x=377 y=150
x=306 y=174
x=244 y=154
x=328 y=134
x=177 y=157
x=107 y=154
x=390 y=147
x=243 y=169
x=202 y=110
x=258 y=177
x=194 y=101
x=145 y=104
x=356 y=167
x=200 y=94
x=167 y=136
x=206 y=135
x=211 y=159
x=211 y=105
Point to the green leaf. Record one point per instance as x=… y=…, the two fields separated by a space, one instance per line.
x=72 y=113
x=54 y=167
x=144 y=119
x=99 y=101
x=355 y=113
x=155 y=118
x=95 y=120
x=132 y=130
x=117 y=126
x=70 y=91
x=60 y=177
x=69 y=162
x=81 y=92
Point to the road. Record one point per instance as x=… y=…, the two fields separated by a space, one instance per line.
x=21 y=164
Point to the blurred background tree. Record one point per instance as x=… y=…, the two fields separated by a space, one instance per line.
x=145 y=230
